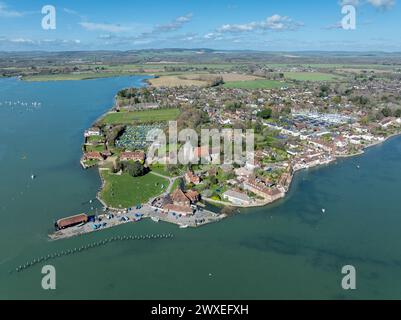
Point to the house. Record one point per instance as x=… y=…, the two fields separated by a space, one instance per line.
x=92 y=132
x=243 y=172
x=237 y=198
x=93 y=156
x=270 y=194
x=190 y=177
x=180 y=202
x=386 y=122
x=179 y=198
x=193 y=196
x=132 y=156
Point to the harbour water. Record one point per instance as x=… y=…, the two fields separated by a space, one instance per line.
x=288 y=250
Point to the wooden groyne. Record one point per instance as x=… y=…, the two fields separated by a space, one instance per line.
x=68 y=252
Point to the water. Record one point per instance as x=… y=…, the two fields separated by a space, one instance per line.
x=289 y=250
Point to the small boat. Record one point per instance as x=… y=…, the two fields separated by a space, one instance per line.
x=183 y=226
x=33 y=176
x=323 y=210
x=358 y=167
x=155 y=219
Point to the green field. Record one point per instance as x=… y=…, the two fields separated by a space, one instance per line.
x=310 y=76
x=126 y=191
x=146 y=116
x=255 y=84
x=161 y=169
x=95 y=148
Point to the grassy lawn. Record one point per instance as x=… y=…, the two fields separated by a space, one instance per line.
x=161 y=169
x=95 y=139
x=95 y=148
x=310 y=76
x=146 y=116
x=126 y=191
x=255 y=84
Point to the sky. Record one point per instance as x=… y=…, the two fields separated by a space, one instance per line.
x=268 y=25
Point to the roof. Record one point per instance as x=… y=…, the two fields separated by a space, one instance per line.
x=237 y=195
x=192 y=195
x=201 y=152
x=136 y=155
x=179 y=196
x=179 y=209
x=93 y=155
x=69 y=221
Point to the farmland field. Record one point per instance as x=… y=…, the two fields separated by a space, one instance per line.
x=310 y=76
x=255 y=84
x=146 y=116
x=176 y=81
x=126 y=191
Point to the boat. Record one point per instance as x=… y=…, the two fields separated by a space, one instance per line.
x=183 y=226
x=33 y=176
x=323 y=210
x=155 y=219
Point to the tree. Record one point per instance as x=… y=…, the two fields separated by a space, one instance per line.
x=397 y=113
x=387 y=112
x=135 y=169
x=265 y=113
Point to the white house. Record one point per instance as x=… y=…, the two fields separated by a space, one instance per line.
x=237 y=198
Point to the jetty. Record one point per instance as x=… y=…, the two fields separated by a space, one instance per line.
x=83 y=224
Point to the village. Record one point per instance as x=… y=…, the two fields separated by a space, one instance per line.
x=295 y=128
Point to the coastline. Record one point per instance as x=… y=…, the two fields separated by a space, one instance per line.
x=267 y=202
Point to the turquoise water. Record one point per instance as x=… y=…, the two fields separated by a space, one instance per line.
x=289 y=250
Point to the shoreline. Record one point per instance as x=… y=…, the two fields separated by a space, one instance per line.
x=337 y=157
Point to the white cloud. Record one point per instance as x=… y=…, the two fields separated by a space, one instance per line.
x=176 y=24
x=275 y=22
x=382 y=4
x=354 y=3
x=105 y=27
x=8 y=13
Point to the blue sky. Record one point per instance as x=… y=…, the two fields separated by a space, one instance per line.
x=271 y=25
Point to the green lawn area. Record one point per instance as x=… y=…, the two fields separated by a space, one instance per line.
x=95 y=148
x=95 y=139
x=126 y=191
x=161 y=169
x=255 y=84
x=146 y=116
x=310 y=76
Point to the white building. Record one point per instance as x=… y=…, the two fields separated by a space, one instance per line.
x=237 y=198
